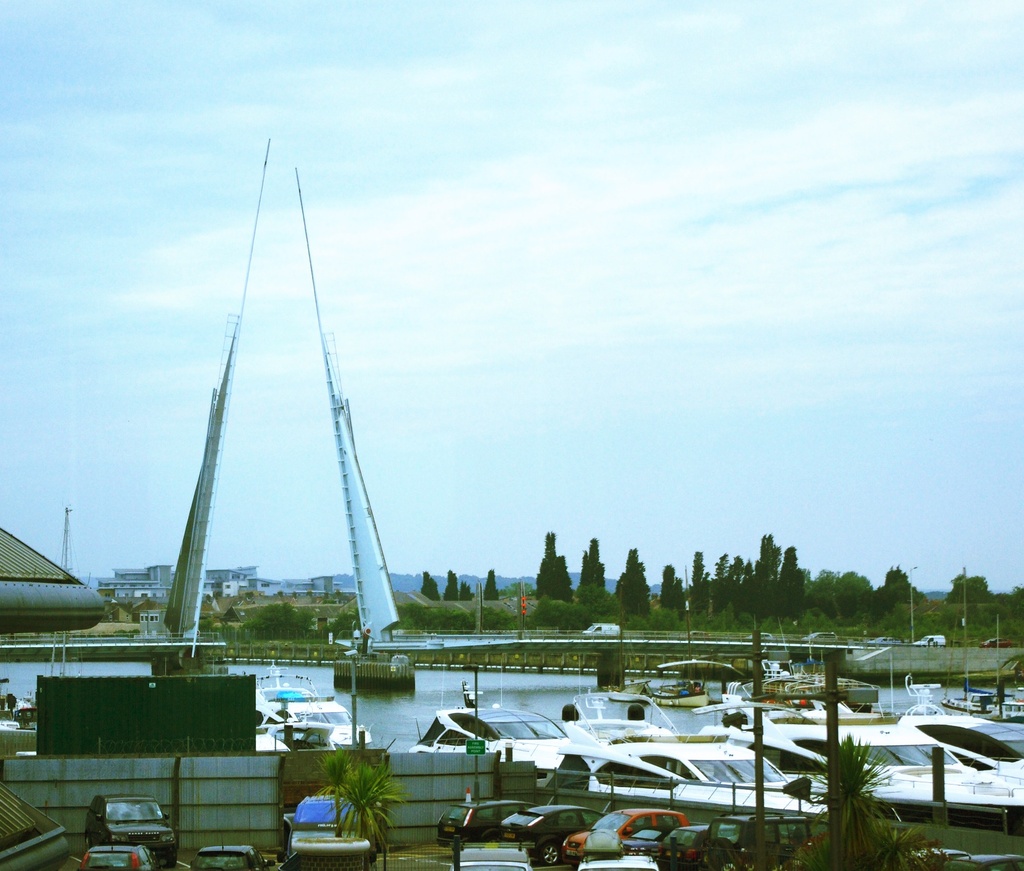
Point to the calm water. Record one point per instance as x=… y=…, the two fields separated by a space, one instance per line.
x=395 y=721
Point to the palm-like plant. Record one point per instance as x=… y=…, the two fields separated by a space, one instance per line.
x=363 y=796
x=869 y=841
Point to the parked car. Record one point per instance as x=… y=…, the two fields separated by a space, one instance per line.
x=821 y=638
x=493 y=857
x=541 y=830
x=475 y=820
x=131 y=819
x=985 y=862
x=623 y=823
x=690 y=844
x=731 y=839
x=130 y=856
x=883 y=641
x=242 y=857
x=996 y=642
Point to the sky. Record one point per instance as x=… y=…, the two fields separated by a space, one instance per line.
x=673 y=276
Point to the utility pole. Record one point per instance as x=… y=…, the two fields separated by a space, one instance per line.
x=760 y=855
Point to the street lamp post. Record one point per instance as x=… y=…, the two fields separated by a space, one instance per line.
x=912 y=605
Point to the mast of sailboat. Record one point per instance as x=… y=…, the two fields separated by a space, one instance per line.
x=967 y=680
x=689 y=646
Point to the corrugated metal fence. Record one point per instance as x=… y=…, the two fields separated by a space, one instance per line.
x=238 y=798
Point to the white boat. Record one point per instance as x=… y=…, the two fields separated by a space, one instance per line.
x=522 y=735
x=289 y=698
x=976 y=798
x=688 y=770
x=978 y=702
x=613 y=716
x=681 y=691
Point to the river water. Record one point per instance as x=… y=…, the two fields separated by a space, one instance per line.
x=396 y=720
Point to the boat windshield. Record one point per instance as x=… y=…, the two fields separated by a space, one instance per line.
x=908 y=754
x=332 y=718
x=736 y=770
x=522 y=725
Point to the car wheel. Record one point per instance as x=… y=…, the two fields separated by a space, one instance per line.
x=550 y=852
x=490 y=835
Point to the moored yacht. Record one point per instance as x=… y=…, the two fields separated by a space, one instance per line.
x=611 y=716
x=289 y=698
x=707 y=773
x=979 y=799
x=523 y=735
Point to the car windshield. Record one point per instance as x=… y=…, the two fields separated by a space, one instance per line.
x=522 y=819
x=227 y=861
x=610 y=822
x=133 y=810
x=456 y=815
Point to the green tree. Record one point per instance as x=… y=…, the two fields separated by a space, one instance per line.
x=429 y=588
x=451 y=589
x=700 y=586
x=553 y=575
x=491 y=588
x=592 y=569
x=720 y=595
x=465 y=592
x=746 y=587
x=598 y=605
x=763 y=598
x=791 y=586
x=978 y=592
x=893 y=595
x=672 y=596
x=280 y=620
x=632 y=589
x=363 y=796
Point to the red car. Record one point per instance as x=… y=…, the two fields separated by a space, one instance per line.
x=623 y=823
x=997 y=642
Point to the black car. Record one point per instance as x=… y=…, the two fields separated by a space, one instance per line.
x=131 y=819
x=230 y=858
x=985 y=862
x=542 y=829
x=689 y=843
x=131 y=857
x=732 y=839
x=475 y=820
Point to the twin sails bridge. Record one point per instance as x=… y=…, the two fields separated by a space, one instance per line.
x=36 y=595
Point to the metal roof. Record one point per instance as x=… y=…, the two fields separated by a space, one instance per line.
x=19 y=562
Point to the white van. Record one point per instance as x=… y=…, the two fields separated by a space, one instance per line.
x=931 y=641
x=602 y=629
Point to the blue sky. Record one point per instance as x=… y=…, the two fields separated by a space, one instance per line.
x=671 y=276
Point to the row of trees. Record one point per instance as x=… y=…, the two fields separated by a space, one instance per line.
x=456 y=590
x=772 y=592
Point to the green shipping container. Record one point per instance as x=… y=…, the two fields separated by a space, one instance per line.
x=100 y=716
